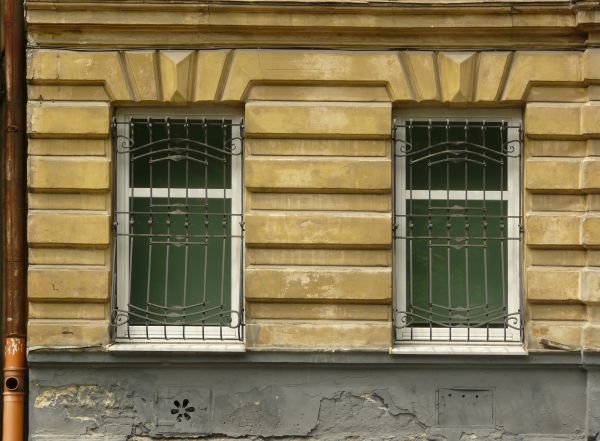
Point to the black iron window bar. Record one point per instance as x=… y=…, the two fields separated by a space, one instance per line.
x=457 y=230
x=178 y=229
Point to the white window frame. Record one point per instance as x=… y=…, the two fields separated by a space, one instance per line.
x=132 y=337
x=469 y=341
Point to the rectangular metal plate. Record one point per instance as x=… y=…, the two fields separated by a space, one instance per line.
x=459 y=407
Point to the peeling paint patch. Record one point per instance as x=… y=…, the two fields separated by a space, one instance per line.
x=76 y=395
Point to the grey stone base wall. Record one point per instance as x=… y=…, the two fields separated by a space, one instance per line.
x=310 y=397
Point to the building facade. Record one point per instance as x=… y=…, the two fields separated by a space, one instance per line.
x=314 y=220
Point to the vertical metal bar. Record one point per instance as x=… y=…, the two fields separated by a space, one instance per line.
x=186 y=225
x=409 y=220
x=466 y=229
x=131 y=231
x=448 y=228
x=485 y=244
x=150 y=223
x=503 y=240
x=206 y=226
x=430 y=221
x=168 y=222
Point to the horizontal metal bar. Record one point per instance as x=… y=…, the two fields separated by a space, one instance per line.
x=180 y=193
x=457 y=195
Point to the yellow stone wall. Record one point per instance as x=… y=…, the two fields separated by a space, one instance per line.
x=318 y=181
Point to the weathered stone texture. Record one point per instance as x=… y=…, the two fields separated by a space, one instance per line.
x=548 y=285
x=89 y=120
x=320 y=285
x=68 y=284
x=56 y=228
x=68 y=173
x=553 y=230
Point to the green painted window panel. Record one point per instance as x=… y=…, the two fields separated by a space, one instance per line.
x=198 y=271
x=439 y=223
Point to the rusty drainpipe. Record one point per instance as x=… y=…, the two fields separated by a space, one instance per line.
x=14 y=211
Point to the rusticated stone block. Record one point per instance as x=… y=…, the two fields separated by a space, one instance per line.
x=591 y=175
x=552 y=120
x=552 y=175
x=590 y=119
x=332 y=229
x=319 y=174
x=547 y=285
x=553 y=230
x=82 y=285
x=591 y=65
x=591 y=337
x=373 y=285
x=556 y=335
x=63 y=333
x=81 y=120
x=591 y=230
x=309 y=119
x=590 y=289
x=319 y=311
x=557 y=202
x=69 y=311
x=69 y=229
x=80 y=174
x=68 y=147
x=558 y=312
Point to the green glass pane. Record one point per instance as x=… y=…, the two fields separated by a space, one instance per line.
x=453 y=261
x=180 y=274
x=204 y=165
x=456 y=156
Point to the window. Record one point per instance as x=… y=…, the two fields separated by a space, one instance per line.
x=457 y=227
x=177 y=227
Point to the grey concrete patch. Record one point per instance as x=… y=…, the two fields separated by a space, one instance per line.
x=305 y=402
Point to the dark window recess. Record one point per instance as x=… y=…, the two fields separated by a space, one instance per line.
x=457 y=230
x=178 y=229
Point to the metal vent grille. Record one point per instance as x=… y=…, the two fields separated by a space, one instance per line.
x=178 y=229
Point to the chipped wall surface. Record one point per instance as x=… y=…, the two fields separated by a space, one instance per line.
x=316 y=402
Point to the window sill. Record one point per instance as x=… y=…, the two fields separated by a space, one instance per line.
x=183 y=346
x=516 y=349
